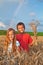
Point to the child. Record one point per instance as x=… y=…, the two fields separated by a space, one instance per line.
x=10 y=42
x=24 y=38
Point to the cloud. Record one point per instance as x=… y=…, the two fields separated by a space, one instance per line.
x=2 y=25
x=20 y=2
x=32 y=14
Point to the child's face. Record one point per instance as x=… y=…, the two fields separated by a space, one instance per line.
x=21 y=28
x=11 y=35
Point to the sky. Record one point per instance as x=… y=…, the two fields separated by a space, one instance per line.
x=14 y=11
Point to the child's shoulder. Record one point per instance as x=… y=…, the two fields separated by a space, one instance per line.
x=17 y=34
x=26 y=34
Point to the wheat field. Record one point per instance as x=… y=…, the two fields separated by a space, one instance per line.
x=33 y=57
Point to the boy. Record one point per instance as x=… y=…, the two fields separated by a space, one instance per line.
x=24 y=39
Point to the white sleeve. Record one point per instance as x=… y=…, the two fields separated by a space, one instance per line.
x=17 y=43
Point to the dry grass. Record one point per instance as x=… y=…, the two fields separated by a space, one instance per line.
x=33 y=57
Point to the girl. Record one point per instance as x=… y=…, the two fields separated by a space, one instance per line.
x=11 y=45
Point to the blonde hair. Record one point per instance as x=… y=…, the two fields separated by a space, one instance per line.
x=7 y=41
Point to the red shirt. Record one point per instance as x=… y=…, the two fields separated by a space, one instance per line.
x=24 y=40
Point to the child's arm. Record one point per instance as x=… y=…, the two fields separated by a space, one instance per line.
x=18 y=46
x=31 y=41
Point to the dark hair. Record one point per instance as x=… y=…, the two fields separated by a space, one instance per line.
x=21 y=23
